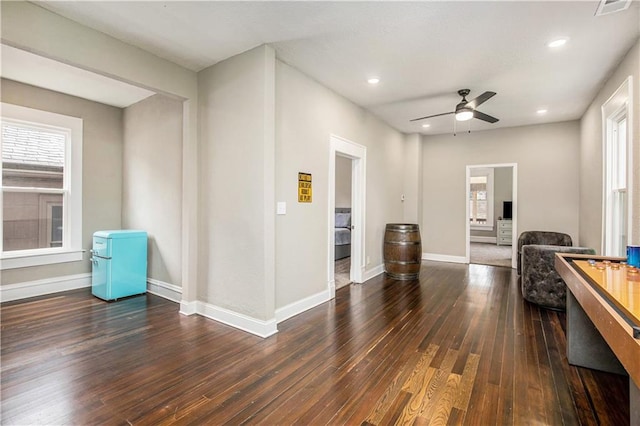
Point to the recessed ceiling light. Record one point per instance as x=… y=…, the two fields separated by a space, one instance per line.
x=558 y=42
x=426 y=125
x=541 y=111
x=373 y=80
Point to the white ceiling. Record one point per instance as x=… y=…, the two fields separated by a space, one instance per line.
x=423 y=52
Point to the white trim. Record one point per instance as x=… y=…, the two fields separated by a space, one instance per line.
x=300 y=306
x=620 y=99
x=514 y=218
x=53 y=285
x=630 y=163
x=42 y=287
x=444 y=258
x=164 y=290
x=373 y=272
x=188 y=308
x=357 y=153
x=243 y=322
x=24 y=260
x=489 y=240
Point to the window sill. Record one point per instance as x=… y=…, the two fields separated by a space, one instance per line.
x=25 y=260
x=482 y=227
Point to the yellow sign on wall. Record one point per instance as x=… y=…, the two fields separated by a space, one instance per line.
x=304 y=188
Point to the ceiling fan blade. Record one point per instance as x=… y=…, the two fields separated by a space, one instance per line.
x=481 y=99
x=431 y=116
x=484 y=117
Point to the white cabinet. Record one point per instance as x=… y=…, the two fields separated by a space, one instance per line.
x=505 y=229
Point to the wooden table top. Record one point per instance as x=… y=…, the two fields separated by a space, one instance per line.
x=619 y=282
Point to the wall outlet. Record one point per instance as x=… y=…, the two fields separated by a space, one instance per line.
x=368 y=260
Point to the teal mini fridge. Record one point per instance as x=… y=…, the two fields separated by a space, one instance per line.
x=119 y=264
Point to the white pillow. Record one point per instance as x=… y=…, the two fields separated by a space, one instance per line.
x=343 y=220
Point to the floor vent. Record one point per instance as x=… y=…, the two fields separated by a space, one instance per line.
x=610 y=6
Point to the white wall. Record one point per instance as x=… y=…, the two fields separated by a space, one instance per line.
x=74 y=44
x=152 y=188
x=503 y=190
x=101 y=169
x=343 y=181
x=412 y=203
x=591 y=154
x=548 y=199
x=237 y=208
x=307 y=114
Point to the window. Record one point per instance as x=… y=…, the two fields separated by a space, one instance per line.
x=41 y=187
x=616 y=166
x=481 y=198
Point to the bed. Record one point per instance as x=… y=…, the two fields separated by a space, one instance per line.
x=342 y=232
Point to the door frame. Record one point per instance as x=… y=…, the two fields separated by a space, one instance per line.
x=358 y=154
x=514 y=196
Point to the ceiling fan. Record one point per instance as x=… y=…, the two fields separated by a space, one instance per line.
x=466 y=110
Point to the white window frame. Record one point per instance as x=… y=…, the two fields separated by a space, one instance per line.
x=71 y=249
x=489 y=173
x=618 y=107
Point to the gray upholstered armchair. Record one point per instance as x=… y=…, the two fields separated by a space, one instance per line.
x=541 y=284
x=541 y=238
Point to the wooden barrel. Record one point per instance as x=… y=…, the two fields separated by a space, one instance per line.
x=402 y=251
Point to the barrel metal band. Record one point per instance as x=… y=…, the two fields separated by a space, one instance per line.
x=402 y=262
x=394 y=276
x=404 y=243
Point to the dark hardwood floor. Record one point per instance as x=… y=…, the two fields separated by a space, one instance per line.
x=459 y=346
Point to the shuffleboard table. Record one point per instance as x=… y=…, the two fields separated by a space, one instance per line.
x=603 y=317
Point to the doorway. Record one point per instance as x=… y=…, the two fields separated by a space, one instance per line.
x=342 y=243
x=347 y=161
x=491 y=194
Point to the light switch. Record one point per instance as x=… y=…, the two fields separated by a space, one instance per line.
x=281 y=207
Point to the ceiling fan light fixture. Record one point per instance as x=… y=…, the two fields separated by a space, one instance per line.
x=464 y=114
x=466 y=110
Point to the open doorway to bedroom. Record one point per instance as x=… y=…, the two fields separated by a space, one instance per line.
x=347 y=163
x=491 y=228
x=342 y=245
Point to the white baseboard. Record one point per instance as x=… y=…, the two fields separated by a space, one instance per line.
x=243 y=322
x=165 y=290
x=72 y=282
x=188 y=308
x=490 y=240
x=444 y=258
x=373 y=272
x=300 y=306
x=46 y=286
x=332 y=287
x=252 y=325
